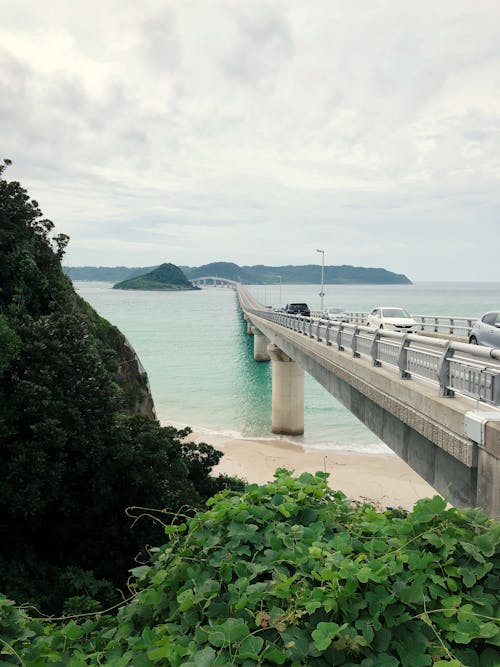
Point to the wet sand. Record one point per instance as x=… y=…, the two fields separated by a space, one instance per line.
x=384 y=480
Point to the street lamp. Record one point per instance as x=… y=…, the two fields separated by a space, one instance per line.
x=322 y=293
x=275 y=275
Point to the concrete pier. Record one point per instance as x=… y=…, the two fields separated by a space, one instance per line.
x=488 y=470
x=451 y=442
x=288 y=393
x=260 y=343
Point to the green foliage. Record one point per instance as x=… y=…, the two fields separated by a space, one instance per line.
x=255 y=275
x=291 y=573
x=164 y=277
x=9 y=344
x=73 y=455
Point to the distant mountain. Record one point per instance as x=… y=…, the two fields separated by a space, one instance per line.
x=165 y=277
x=298 y=275
x=111 y=274
x=220 y=270
x=257 y=275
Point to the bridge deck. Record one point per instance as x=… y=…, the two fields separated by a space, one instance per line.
x=426 y=429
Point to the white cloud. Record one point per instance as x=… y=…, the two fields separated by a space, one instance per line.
x=192 y=132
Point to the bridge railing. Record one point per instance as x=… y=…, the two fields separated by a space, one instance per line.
x=455 y=367
x=445 y=324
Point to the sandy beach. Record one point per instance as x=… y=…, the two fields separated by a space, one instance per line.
x=384 y=480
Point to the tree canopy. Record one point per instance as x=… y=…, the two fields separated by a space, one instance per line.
x=74 y=453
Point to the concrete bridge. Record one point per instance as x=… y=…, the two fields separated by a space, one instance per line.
x=213 y=281
x=434 y=402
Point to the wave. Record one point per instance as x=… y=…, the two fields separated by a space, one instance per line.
x=373 y=449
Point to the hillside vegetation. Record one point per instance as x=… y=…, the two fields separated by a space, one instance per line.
x=255 y=275
x=299 y=275
x=291 y=573
x=287 y=573
x=166 y=277
x=78 y=439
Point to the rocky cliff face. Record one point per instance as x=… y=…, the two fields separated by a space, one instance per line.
x=121 y=361
x=49 y=336
x=134 y=379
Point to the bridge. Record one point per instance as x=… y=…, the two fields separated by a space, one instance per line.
x=214 y=281
x=435 y=402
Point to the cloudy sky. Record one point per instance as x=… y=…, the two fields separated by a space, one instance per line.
x=256 y=131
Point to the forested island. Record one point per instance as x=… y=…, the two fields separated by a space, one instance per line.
x=253 y=275
x=118 y=546
x=167 y=277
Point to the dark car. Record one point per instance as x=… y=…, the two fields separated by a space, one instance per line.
x=298 y=309
x=486 y=331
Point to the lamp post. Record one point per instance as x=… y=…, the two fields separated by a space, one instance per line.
x=276 y=276
x=322 y=293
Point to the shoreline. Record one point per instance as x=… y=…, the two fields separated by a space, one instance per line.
x=384 y=480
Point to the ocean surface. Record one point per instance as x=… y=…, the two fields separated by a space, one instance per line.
x=199 y=358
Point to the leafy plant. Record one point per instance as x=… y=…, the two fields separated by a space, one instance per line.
x=292 y=573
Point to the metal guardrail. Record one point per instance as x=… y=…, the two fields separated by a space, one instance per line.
x=445 y=324
x=456 y=367
x=460 y=326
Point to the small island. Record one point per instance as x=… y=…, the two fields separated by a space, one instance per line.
x=166 y=277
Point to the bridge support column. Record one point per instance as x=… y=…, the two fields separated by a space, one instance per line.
x=288 y=393
x=260 y=342
x=488 y=471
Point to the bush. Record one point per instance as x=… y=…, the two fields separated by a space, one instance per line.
x=291 y=573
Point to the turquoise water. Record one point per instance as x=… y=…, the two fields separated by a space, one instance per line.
x=200 y=363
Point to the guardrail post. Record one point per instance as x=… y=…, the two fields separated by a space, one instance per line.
x=318 y=331
x=374 y=348
x=354 y=343
x=436 y=324
x=339 y=338
x=443 y=372
x=327 y=333
x=495 y=390
x=404 y=373
x=452 y=321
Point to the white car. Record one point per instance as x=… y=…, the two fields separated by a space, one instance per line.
x=336 y=315
x=393 y=319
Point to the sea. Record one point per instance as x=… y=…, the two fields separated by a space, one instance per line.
x=199 y=358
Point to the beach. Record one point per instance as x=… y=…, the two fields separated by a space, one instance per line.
x=382 y=479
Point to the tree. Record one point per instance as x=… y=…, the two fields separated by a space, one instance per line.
x=72 y=456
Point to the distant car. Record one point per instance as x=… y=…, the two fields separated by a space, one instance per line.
x=486 y=331
x=298 y=309
x=392 y=319
x=336 y=315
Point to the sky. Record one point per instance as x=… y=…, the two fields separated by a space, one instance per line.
x=192 y=131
